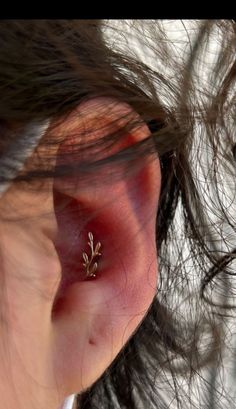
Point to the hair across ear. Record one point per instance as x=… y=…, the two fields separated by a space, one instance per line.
x=93 y=319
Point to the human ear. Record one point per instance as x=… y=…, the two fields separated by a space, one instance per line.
x=94 y=318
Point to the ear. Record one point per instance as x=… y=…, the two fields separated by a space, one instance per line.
x=94 y=318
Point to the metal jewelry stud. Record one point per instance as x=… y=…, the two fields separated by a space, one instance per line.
x=91 y=268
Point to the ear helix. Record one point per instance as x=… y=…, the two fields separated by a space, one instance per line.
x=88 y=264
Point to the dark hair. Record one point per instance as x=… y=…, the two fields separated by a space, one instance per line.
x=48 y=67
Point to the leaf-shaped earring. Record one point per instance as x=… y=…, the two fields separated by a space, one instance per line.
x=91 y=268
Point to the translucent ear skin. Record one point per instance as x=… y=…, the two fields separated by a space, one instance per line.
x=80 y=324
x=95 y=318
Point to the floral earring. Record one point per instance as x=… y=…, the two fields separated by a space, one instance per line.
x=88 y=263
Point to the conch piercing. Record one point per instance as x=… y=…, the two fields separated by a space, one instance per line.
x=90 y=269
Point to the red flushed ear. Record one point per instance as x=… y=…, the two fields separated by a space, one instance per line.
x=90 y=122
x=93 y=319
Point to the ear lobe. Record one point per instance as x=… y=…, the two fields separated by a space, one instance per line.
x=93 y=319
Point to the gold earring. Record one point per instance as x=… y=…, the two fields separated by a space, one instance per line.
x=90 y=269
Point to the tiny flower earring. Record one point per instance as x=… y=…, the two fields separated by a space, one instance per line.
x=91 y=268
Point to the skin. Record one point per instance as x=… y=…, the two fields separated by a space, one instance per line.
x=58 y=335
